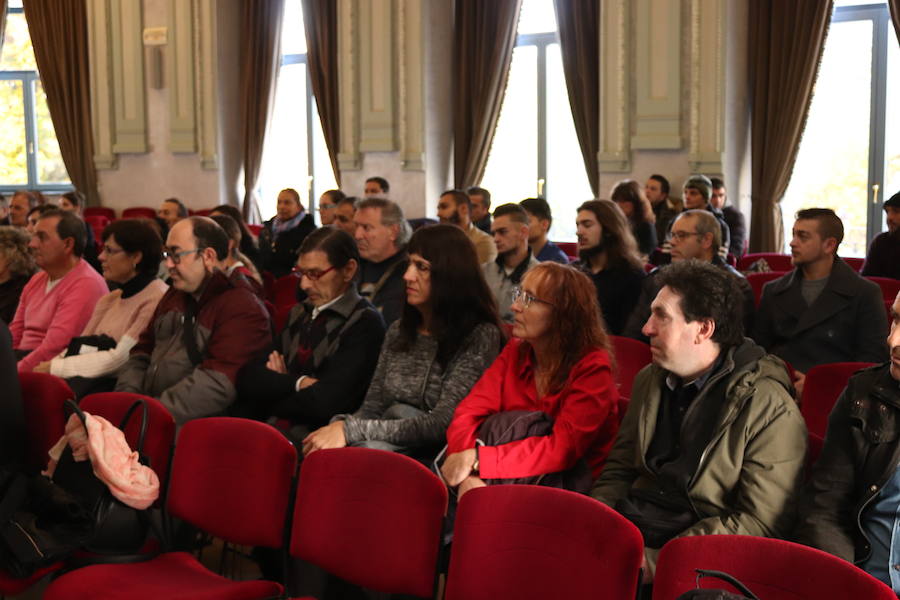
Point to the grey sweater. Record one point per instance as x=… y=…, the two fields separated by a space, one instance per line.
x=414 y=378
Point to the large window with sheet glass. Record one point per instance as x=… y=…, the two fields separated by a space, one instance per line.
x=294 y=154
x=849 y=156
x=29 y=152
x=535 y=150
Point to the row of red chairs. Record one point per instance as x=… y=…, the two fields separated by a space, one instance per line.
x=778 y=261
x=98 y=217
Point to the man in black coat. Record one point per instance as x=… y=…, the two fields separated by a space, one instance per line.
x=280 y=239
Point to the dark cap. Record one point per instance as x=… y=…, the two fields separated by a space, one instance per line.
x=893 y=201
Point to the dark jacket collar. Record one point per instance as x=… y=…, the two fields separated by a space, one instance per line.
x=842 y=280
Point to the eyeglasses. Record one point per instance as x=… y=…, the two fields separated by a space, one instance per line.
x=683 y=235
x=311 y=274
x=175 y=257
x=326 y=206
x=526 y=299
x=110 y=251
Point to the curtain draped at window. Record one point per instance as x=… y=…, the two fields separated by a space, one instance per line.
x=3 y=4
x=786 y=44
x=261 y=49
x=60 y=39
x=579 y=23
x=895 y=15
x=320 y=17
x=483 y=42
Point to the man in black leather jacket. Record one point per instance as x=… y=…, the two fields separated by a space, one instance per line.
x=850 y=506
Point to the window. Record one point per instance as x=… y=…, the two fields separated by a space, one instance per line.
x=29 y=152
x=545 y=159
x=851 y=142
x=295 y=154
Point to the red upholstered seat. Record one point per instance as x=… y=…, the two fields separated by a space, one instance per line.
x=631 y=357
x=771 y=569
x=758 y=281
x=104 y=211
x=97 y=223
x=139 y=212
x=823 y=386
x=370 y=517
x=231 y=478
x=524 y=542
x=285 y=291
x=569 y=248
x=255 y=229
x=855 y=263
x=43 y=398
x=889 y=287
x=160 y=436
x=775 y=260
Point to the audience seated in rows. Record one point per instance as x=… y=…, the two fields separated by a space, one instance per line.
x=883 y=259
x=547 y=407
x=630 y=199
x=850 y=506
x=344 y=213
x=695 y=235
x=609 y=255
x=514 y=257
x=248 y=246
x=235 y=264
x=665 y=208
x=697 y=194
x=448 y=335
x=4 y=210
x=376 y=187
x=481 y=207
x=455 y=208
x=540 y=218
x=74 y=202
x=16 y=268
x=737 y=225
x=204 y=329
x=712 y=441
x=170 y=212
x=324 y=358
x=328 y=203
x=280 y=239
x=57 y=301
x=381 y=235
x=822 y=311
x=130 y=260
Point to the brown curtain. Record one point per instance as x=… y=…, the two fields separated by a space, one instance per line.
x=579 y=23
x=895 y=16
x=786 y=44
x=320 y=17
x=3 y=4
x=483 y=42
x=261 y=51
x=60 y=39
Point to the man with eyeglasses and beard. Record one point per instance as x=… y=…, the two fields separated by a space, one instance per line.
x=204 y=329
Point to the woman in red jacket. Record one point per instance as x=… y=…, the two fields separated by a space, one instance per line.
x=560 y=365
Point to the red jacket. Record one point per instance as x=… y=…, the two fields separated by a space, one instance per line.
x=585 y=416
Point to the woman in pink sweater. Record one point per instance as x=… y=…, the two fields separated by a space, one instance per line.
x=130 y=258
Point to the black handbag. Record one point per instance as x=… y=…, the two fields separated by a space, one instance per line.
x=717 y=594
x=118 y=529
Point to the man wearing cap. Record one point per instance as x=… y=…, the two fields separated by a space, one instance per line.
x=883 y=259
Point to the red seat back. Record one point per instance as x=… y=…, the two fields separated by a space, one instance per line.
x=103 y=211
x=97 y=223
x=771 y=569
x=285 y=290
x=282 y=313
x=889 y=287
x=569 y=248
x=775 y=260
x=160 y=437
x=523 y=541
x=139 y=212
x=371 y=517
x=43 y=399
x=203 y=212
x=758 y=281
x=232 y=478
x=855 y=263
x=823 y=385
x=631 y=356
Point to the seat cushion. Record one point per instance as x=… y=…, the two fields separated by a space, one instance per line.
x=173 y=576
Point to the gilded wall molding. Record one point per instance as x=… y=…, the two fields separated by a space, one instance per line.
x=411 y=92
x=707 y=89
x=207 y=67
x=348 y=156
x=180 y=77
x=615 y=137
x=130 y=120
x=657 y=75
x=100 y=56
x=376 y=76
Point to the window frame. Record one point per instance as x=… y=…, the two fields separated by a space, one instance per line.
x=311 y=113
x=28 y=80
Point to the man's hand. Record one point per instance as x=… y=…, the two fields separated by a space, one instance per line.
x=458 y=466
x=330 y=436
x=308 y=381
x=469 y=483
x=276 y=363
x=43 y=367
x=646 y=576
x=799 y=380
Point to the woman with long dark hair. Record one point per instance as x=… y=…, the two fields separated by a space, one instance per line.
x=248 y=245
x=630 y=198
x=432 y=356
x=556 y=374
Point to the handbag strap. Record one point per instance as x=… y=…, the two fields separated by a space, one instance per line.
x=187 y=331
x=73 y=406
x=701 y=573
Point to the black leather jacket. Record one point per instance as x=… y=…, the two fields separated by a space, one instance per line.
x=859 y=457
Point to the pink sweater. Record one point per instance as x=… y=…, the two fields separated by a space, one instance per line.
x=46 y=322
x=122 y=319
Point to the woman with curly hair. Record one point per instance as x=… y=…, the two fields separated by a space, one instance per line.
x=16 y=268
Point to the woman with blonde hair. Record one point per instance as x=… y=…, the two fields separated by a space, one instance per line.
x=16 y=268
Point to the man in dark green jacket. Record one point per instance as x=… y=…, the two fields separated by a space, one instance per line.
x=712 y=442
